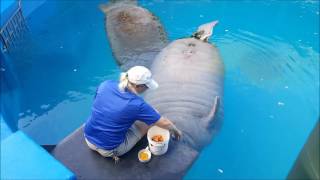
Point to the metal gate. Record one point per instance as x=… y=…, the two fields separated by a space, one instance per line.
x=13 y=30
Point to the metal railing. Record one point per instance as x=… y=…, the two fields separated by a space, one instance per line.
x=13 y=30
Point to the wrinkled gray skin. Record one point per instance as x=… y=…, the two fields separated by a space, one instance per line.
x=135 y=35
x=190 y=74
x=190 y=77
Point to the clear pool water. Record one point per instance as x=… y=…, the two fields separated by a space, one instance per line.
x=271 y=56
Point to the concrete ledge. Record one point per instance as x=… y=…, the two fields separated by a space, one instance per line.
x=22 y=158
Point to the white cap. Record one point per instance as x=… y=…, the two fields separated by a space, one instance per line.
x=141 y=75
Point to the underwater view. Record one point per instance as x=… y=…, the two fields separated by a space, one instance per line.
x=270 y=52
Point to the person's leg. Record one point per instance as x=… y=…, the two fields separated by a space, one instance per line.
x=132 y=137
x=134 y=134
x=102 y=152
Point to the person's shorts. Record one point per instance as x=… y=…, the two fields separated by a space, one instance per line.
x=132 y=137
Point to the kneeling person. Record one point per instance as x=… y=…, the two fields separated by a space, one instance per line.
x=120 y=118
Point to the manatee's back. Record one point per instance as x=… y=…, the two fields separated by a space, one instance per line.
x=136 y=36
x=190 y=76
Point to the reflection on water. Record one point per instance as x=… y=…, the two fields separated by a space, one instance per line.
x=272 y=64
x=9 y=92
x=63 y=117
x=273 y=61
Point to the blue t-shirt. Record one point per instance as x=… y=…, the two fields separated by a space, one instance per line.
x=113 y=113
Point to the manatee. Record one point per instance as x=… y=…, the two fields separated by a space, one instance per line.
x=135 y=35
x=190 y=75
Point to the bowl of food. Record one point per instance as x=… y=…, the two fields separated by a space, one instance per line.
x=144 y=155
x=157 y=138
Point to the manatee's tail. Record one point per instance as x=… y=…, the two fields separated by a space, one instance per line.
x=204 y=31
x=115 y=3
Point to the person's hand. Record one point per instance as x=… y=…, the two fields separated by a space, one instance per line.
x=177 y=134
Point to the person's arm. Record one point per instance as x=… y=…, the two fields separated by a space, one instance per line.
x=150 y=116
x=167 y=124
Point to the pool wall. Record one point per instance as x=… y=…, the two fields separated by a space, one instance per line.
x=9 y=83
x=33 y=162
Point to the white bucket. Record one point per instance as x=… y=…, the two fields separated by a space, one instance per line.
x=158 y=148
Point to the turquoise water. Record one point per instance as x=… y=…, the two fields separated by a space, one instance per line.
x=271 y=56
x=6 y=4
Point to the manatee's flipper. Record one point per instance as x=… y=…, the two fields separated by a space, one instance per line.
x=213 y=112
x=204 y=31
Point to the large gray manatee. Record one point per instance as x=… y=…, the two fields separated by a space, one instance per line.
x=136 y=36
x=190 y=74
